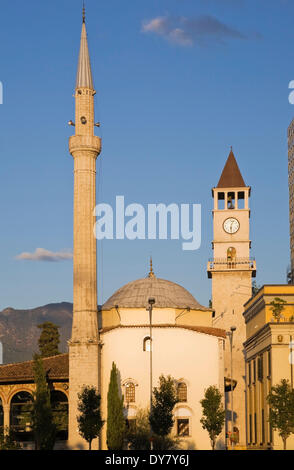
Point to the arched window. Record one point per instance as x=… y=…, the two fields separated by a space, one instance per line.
x=146 y=343
x=183 y=418
x=231 y=257
x=59 y=405
x=21 y=415
x=182 y=391
x=130 y=395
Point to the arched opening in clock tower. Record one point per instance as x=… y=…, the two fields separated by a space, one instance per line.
x=231 y=257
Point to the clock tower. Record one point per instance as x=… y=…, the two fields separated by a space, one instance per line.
x=231 y=270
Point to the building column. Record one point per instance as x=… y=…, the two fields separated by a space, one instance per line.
x=215 y=200
x=246 y=204
x=6 y=413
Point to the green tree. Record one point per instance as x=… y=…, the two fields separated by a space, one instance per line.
x=139 y=435
x=49 y=339
x=281 y=415
x=43 y=425
x=8 y=441
x=255 y=288
x=89 y=420
x=115 y=417
x=163 y=402
x=277 y=306
x=213 y=413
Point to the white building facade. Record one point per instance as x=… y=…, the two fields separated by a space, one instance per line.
x=184 y=345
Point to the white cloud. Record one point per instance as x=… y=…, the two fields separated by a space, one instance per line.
x=188 y=31
x=178 y=36
x=45 y=255
x=157 y=25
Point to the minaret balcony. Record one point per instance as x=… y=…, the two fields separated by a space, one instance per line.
x=229 y=265
x=80 y=143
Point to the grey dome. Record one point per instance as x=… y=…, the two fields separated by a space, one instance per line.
x=167 y=294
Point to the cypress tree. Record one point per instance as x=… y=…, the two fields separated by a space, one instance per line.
x=49 y=339
x=42 y=417
x=115 y=416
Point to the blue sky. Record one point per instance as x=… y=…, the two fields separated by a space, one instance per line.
x=178 y=82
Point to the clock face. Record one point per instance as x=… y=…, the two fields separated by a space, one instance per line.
x=231 y=225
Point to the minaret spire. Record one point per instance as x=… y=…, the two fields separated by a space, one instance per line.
x=84 y=74
x=84 y=13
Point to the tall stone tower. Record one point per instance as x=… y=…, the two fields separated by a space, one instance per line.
x=291 y=196
x=231 y=270
x=84 y=146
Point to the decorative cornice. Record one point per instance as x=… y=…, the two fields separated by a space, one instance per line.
x=218 y=332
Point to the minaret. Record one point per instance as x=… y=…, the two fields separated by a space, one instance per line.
x=231 y=270
x=84 y=146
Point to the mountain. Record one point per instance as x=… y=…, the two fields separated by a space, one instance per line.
x=19 y=333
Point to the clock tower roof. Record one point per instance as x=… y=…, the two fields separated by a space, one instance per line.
x=231 y=176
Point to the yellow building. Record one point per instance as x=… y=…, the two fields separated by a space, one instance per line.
x=268 y=352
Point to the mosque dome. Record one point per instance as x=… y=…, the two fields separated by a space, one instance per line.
x=167 y=294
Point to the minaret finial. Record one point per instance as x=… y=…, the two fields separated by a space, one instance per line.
x=84 y=13
x=151 y=273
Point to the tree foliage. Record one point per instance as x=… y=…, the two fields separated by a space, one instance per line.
x=163 y=402
x=213 y=413
x=281 y=415
x=43 y=425
x=8 y=441
x=255 y=288
x=277 y=306
x=49 y=339
x=116 y=428
x=139 y=436
x=89 y=420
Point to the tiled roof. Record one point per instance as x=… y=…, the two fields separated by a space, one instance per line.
x=231 y=176
x=199 y=329
x=56 y=367
x=167 y=294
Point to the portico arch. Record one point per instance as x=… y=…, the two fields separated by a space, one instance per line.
x=59 y=405
x=21 y=415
